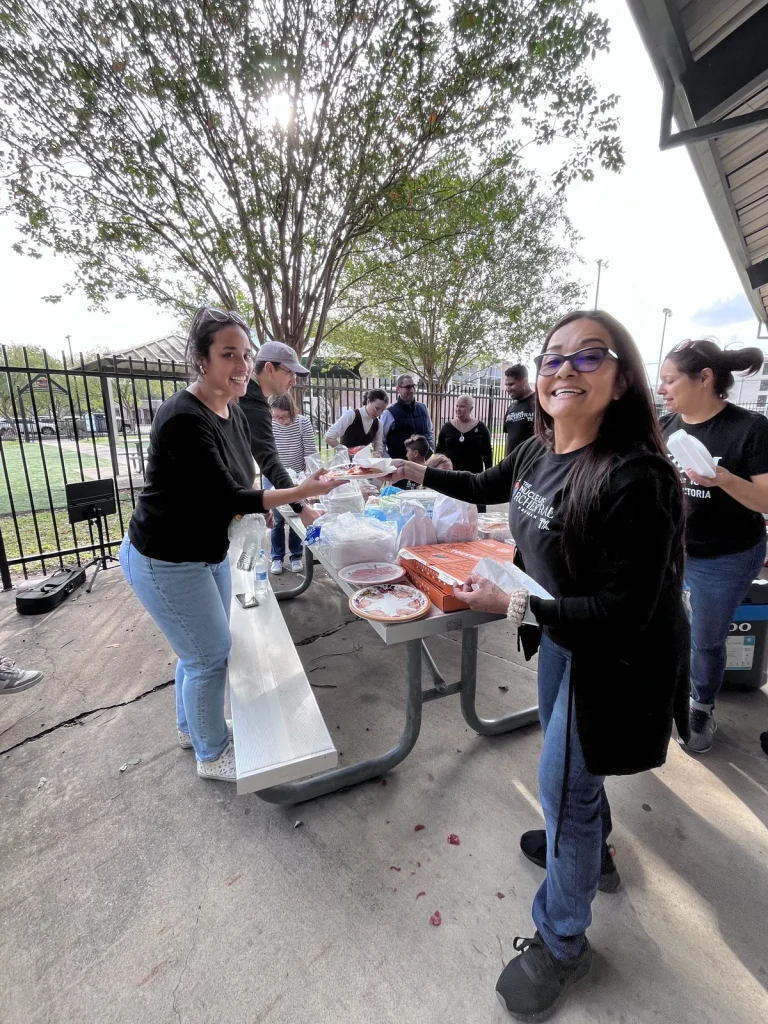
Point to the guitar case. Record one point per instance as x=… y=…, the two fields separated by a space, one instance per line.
x=50 y=592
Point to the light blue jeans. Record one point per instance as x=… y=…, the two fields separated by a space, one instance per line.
x=562 y=908
x=718 y=586
x=189 y=603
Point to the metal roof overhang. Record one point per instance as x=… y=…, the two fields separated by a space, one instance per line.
x=712 y=59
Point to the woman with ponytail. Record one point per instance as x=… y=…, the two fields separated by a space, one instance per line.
x=596 y=510
x=725 y=531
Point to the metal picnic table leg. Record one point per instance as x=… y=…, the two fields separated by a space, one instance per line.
x=340 y=778
x=484 y=726
x=309 y=572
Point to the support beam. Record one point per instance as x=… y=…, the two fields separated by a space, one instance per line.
x=703 y=132
x=730 y=71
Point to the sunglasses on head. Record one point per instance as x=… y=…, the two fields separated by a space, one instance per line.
x=586 y=360
x=223 y=316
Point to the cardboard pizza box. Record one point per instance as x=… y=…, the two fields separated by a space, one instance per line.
x=446 y=566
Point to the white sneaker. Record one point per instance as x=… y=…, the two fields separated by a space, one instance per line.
x=222 y=768
x=277 y=567
x=185 y=740
x=14 y=680
x=297 y=565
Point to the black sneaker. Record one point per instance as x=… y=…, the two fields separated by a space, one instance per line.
x=534 y=847
x=764 y=741
x=531 y=985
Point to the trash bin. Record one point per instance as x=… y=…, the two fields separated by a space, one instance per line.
x=747 y=644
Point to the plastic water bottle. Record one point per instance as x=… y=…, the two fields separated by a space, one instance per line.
x=260 y=577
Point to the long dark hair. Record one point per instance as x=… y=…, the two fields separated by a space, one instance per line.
x=629 y=424
x=693 y=357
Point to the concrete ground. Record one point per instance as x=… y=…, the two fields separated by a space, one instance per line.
x=153 y=897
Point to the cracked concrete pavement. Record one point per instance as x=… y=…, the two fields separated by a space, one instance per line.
x=151 y=896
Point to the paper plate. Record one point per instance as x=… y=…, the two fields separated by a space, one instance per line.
x=358 y=472
x=389 y=602
x=363 y=574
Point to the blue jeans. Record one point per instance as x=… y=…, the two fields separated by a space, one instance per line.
x=718 y=586
x=189 y=603
x=562 y=906
x=278 y=539
x=277 y=535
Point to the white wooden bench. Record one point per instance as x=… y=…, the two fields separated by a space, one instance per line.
x=279 y=732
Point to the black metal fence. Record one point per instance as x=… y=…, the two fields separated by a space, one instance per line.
x=65 y=421
x=61 y=422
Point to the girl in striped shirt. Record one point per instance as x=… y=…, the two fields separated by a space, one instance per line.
x=294 y=440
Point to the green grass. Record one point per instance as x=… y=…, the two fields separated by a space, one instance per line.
x=39 y=465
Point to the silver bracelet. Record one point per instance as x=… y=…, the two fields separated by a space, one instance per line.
x=518 y=605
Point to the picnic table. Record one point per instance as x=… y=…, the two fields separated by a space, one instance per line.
x=417 y=658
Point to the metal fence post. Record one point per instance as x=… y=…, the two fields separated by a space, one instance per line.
x=5 y=572
x=111 y=423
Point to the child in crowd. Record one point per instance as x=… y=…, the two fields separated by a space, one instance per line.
x=295 y=440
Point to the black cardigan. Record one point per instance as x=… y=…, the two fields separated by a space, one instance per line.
x=627 y=628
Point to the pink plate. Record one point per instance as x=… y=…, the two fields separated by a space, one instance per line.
x=365 y=573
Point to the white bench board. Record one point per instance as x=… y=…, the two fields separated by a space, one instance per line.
x=279 y=731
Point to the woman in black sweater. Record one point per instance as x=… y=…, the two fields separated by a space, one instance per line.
x=199 y=476
x=596 y=511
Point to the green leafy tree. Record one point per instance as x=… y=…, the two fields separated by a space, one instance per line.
x=473 y=271
x=180 y=148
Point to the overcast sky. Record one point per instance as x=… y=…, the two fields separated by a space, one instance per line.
x=651 y=223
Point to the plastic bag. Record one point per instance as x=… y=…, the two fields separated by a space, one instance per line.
x=454 y=521
x=248 y=536
x=418 y=530
x=348 y=539
x=509 y=577
x=338 y=456
x=346 y=498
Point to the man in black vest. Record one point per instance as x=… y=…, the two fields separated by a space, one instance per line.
x=404 y=418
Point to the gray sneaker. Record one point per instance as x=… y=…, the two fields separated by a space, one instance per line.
x=14 y=680
x=703 y=728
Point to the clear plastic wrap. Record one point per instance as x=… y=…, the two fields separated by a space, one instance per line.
x=348 y=539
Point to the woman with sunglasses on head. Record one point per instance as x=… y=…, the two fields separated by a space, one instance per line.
x=725 y=530
x=200 y=475
x=596 y=510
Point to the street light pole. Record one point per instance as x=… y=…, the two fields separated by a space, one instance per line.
x=667 y=314
x=601 y=265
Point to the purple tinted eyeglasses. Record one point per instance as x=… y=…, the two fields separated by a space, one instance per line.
x=586 y=360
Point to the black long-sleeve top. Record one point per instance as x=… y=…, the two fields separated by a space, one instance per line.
x=257 y=412
x=200 y=475
x=621 y=611
x=468 y=450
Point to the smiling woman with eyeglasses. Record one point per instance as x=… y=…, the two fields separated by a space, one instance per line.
x=596 y=511
x=200 y=474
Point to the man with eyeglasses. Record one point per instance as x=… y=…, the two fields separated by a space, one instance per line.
x=274 y=374
x=404 y=418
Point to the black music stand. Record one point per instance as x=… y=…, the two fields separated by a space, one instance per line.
x=91 y=502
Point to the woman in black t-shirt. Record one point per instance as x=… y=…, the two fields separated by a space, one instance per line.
x=596 y=510
x=725 y=530
x=200 y=475
x=466 y=440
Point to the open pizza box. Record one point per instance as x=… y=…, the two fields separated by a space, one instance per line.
x=436 y=569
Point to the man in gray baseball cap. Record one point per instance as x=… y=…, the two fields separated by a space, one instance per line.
x=277 y=367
